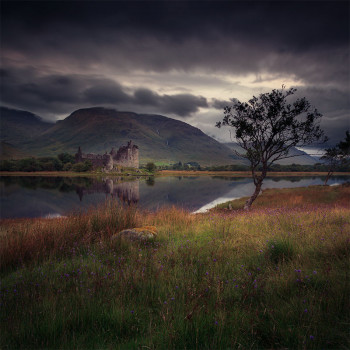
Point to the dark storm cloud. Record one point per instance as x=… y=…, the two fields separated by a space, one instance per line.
x=182 y=105
x=51 y=94
x=24 y=88
x=146 y=97
x=221 y=104
x=332 y=103
x=325 y=99
x=106 y=92
x=58 y=56
x=297 y=37
x=289 y=25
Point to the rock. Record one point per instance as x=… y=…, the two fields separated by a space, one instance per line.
x=138 y=233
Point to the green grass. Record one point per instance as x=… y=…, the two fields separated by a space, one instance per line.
x=271 y=278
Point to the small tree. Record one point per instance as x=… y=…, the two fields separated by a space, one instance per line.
x=268 y=127
x=82 y=167
x=151 y=167
x=337 y=156
x=66 y=158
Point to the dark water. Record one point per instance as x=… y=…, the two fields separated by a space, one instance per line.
x=26 y=196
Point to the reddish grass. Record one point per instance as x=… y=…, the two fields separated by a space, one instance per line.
x=302 y=197
x=26 y=240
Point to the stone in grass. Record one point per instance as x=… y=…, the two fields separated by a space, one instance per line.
x=138 y=233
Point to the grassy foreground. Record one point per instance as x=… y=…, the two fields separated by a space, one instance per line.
x=271 y=278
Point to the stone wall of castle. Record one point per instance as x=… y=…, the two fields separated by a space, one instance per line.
x=126 y=156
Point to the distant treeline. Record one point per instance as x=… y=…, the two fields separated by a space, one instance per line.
x=317 y=167
x=63 y=162
x=66 y=162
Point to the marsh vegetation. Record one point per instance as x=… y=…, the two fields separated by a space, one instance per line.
x=275 y=277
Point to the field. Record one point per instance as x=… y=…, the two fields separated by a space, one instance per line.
x=276 y=277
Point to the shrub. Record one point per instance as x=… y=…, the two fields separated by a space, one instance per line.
x=151 y=167
x=67 y=166
x=82 y=167
x=66 y=158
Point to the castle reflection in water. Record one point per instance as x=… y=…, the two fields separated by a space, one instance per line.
x=127 y=192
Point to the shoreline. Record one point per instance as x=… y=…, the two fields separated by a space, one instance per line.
x=206 y=209
x=169 y=173
x=69 y=174
x=246 y=173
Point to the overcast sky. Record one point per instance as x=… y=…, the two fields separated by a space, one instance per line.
x=182 y=59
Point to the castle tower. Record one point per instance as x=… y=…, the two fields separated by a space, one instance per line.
x=127 y=156
x=135 y=156
x=79 y=156
x=113 y=152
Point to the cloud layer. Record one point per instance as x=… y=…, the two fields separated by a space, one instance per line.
x=182 y=58
x=27 y=90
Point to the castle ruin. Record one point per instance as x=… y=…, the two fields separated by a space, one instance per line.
x=127 y=156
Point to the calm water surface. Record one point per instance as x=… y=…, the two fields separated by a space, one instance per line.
x=26 y=196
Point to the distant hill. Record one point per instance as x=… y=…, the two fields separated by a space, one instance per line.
x=8 y=151
x=17 y=126
x=298 y=157
x=160 y=139
x=97 y=130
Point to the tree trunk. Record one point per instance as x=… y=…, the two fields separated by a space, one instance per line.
x=250 y=201
x=330 y=172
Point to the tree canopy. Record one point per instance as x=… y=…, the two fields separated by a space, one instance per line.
x=267 y=127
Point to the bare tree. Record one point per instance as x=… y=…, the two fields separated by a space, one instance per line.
x=267 y=127
x=337 y=156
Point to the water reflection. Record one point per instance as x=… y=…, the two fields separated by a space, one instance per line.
x=55 y=196
x=127 y=192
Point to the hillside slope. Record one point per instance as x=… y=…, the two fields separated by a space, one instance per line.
x=8 y=151
x=97 y=130
x=296 y=156
x=159 y=138
x=17 y=126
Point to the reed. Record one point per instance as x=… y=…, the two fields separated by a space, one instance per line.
x=34 y=240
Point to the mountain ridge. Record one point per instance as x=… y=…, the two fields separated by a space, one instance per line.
x=97 y=129
x=299 y=156
x=160 y=139
x=17 y=124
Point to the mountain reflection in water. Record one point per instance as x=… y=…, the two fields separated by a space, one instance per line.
x=37 y=196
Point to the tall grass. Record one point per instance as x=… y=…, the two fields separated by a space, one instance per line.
x=34 y=240
x=270 y=278
x=301 y=197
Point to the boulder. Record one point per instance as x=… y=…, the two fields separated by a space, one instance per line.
x=138 y=233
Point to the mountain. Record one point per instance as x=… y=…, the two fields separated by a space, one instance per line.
x=159 y=138
x=17 y=126
x=297 y=156
x=8 y=151
x=97 y=130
